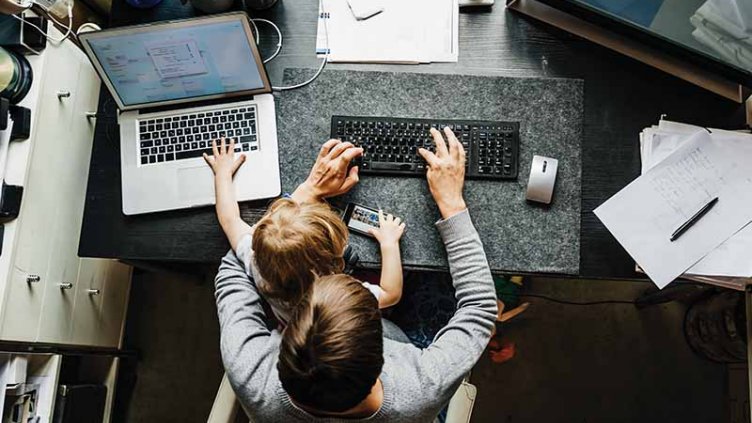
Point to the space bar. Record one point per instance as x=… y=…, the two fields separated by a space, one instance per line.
x=191 y=154
x=404 y=167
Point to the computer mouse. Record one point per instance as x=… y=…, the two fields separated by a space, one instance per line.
x=540 y=185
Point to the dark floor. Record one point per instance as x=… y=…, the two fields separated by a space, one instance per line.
x=600 y=363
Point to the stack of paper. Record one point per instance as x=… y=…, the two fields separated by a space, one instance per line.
x=415 y=31
x=683 y=168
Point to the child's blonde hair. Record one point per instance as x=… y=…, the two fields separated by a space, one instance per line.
x=295 y=243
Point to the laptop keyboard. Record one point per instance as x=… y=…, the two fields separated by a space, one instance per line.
x=190 y=135
x=390 y=145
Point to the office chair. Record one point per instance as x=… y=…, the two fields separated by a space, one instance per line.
x=227 y=409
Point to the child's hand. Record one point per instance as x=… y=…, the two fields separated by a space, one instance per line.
x=223 y=161
x=390 y=230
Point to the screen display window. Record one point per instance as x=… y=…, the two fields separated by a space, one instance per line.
x=175 y=63
x=363 y=219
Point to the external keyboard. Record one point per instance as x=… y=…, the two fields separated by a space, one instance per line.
x=189 y=135
x=390 y=145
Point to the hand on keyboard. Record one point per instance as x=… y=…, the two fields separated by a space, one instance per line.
x=330 y=176
x=446 y=173
x=223 y=161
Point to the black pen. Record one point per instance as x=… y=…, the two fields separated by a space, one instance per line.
x=692 y=220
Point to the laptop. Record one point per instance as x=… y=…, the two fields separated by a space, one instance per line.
x=179 y=85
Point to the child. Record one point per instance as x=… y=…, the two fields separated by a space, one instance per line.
x=294 y=243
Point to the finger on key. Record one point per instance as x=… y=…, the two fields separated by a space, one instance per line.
x=231 y=147
x=327 y=147
x=215 y=151
x=454 y=144
x=338 y=150
x=438 y=139
x=429 y=157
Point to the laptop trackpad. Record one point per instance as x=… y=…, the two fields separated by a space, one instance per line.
x=196 y=185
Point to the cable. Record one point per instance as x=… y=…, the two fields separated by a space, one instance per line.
x=567 y=302
x=44 y=33
x=323 y=62
x=279 y=34
x=255 y=29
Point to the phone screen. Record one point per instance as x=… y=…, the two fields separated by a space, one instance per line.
x=362 y=219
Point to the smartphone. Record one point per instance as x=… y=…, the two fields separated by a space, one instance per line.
x=360 y=219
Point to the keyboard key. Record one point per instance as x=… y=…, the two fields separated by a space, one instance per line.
x=192 y=154
x=169 y=157
x=160 y=158
x=144 y=151
x=152 y=159
x=144 y=160
x=145 y=144
x=145 y=136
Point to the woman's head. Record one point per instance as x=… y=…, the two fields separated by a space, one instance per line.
x=293 y=244
x=331 y=352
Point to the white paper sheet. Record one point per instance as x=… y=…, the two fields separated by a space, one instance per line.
x=733 y=258
x=416 y=31
x=643 y=215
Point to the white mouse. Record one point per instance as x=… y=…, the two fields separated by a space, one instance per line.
x=540 y=185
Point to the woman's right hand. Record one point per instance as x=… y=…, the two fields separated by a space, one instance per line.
x=446 y=173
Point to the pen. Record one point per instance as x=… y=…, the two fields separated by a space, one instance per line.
x=692 y=220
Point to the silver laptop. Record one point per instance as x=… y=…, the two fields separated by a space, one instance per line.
x=179 y=85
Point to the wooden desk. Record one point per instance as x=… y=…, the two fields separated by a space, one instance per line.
x=622 y=97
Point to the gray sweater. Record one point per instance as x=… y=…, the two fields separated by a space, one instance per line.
x=417 y=382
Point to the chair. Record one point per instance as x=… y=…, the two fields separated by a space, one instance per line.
x=226 y=408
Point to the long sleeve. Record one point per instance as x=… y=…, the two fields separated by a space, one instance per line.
x=249 y=349
x=458 y=346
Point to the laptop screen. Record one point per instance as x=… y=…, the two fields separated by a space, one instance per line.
x=179 y=62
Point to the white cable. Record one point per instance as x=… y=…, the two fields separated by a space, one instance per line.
x=52 y=39
x=255 y=29
x=279 y=37
x=323 y=62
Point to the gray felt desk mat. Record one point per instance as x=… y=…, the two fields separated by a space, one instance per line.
x=517 y=236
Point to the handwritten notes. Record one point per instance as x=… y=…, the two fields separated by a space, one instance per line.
x=643 y=215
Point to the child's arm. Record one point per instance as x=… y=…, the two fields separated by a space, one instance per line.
x=389 y=233
x=224 y=165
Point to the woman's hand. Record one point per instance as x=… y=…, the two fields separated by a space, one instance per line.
x=329 y=176
x=446 y=173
